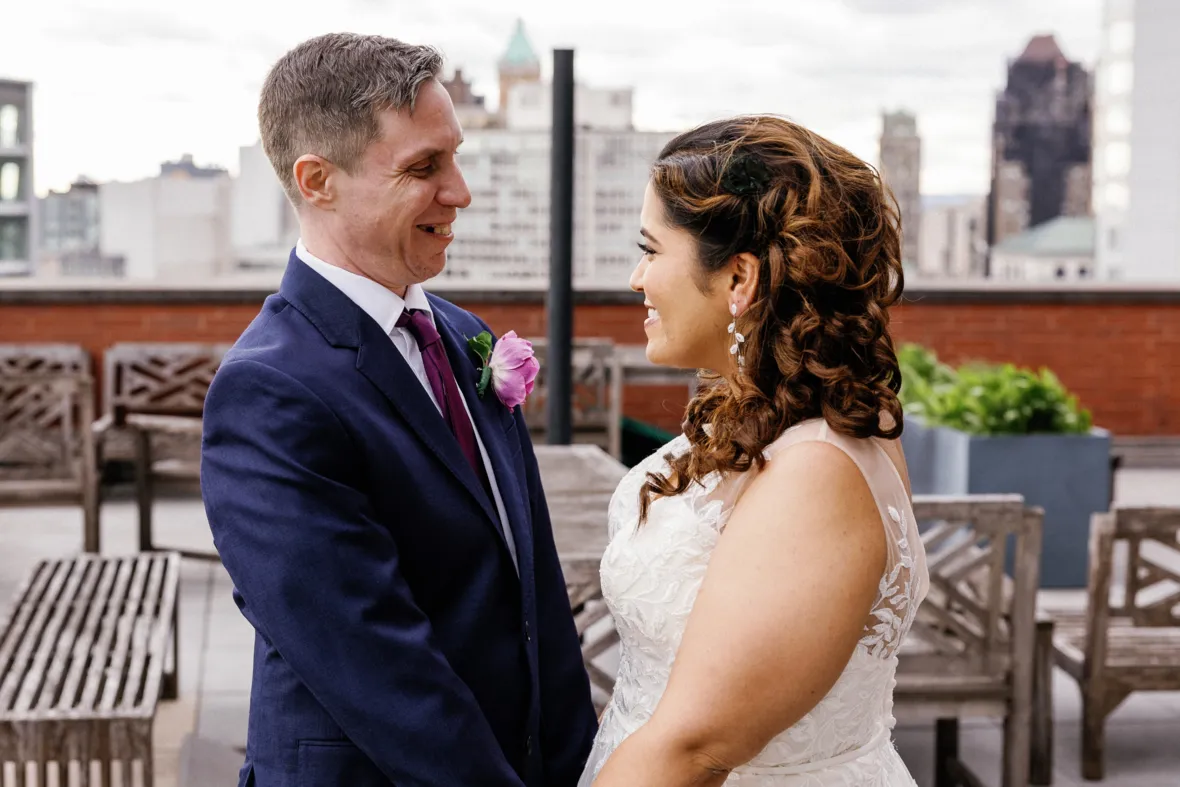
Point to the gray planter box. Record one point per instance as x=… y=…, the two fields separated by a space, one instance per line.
x=919 y=442
x=1067 y=475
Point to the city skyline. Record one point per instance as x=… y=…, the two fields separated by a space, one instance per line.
x=158 y=82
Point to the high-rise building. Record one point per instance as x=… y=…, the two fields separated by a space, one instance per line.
x=1136 y=192
x=1112 y=137
x=1040 y=142
x=173 y=226
x=71 y=232
x=69 y=219
x=17 y=198
x=504 y=236
x=901 y=167
x=530 y=107
x=951 y=243
x=263 y=224
x=470 y=107
x=518 y=64
x=185 y=168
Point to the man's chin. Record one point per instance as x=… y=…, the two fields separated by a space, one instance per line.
x=428 y=266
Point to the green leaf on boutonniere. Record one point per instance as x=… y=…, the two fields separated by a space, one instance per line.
x=481 y=345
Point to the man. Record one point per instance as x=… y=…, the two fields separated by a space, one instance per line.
x=384 y=524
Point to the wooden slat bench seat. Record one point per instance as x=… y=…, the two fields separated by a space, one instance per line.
x=87 y=650
x=1141 y=651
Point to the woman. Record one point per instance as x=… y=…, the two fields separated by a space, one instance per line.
x=764 y=566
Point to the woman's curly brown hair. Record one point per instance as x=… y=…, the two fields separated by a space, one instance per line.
x=827 y=233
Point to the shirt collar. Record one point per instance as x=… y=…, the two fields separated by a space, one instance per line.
x=383 y=305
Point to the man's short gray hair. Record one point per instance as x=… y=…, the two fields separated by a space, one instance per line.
x=323 y=97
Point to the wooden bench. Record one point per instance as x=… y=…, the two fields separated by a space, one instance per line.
x=154 y=397
x=85 y=653
x=1128 y=639
x=18 y=359
x=47 y=447
x=972 y=650
x=1128 y=452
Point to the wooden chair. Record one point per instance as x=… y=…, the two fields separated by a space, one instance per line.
x=972 y=649
x=88 y=649
x=47 y=448
x=154 y=397
x=597 y=395
x=1128 y=639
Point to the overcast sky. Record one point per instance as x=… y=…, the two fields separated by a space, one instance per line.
x=122 y=85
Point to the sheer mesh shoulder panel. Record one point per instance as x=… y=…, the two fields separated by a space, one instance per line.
x=904 y=583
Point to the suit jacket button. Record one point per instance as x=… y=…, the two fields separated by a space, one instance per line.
x=528 y=746
x=527 y=635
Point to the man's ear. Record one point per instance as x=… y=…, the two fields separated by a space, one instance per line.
x=315 y=177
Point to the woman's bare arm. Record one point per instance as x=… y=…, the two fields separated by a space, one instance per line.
x=789 y=588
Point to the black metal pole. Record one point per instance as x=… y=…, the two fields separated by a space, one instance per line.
x=561 y=250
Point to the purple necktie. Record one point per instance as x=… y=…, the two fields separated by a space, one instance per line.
x=442 y=382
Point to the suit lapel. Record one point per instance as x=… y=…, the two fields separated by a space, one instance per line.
x=385 y=367
x=491 y=418
x=344 y=324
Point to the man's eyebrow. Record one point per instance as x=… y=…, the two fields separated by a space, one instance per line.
x=429 y=151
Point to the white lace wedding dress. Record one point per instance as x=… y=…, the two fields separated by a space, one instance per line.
x=650 y=579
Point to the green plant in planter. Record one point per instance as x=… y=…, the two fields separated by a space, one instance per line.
x=1005 y=400
x=923 y=378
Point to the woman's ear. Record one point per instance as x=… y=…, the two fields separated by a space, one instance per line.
x=743 y=280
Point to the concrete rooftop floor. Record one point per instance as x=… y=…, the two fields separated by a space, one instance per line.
x=1143 y=738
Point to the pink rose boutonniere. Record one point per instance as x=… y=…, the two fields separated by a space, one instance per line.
x=510 y=367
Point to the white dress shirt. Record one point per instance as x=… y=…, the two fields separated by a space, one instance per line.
x=385 y=306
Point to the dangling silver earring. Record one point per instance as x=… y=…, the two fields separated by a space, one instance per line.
x=738 y=339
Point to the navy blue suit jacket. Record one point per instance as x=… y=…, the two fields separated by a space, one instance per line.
x=395 y=642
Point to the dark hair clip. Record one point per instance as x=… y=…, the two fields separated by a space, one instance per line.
x=747 y=176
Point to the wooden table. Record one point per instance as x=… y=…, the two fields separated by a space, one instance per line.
x=579 y=481
x=578 y=469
